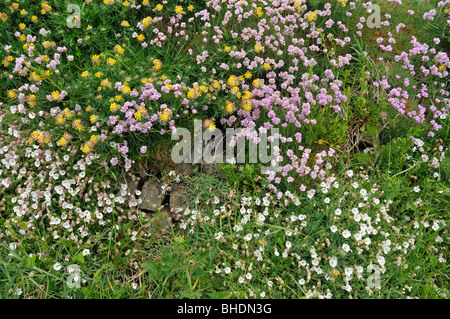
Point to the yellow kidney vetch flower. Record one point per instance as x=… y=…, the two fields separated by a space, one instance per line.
x=179 y=10
x=157 y=64
x=259 y=12
x=126 y=89
x=159 y=7
x=31 y=100
x=140 y=37
x=35 y=77
x=114 y=107
x=258 y=48
x=110 y=61
x=190 y=8
x=165 y=115
x=93 y=118
x=118 y=49
x=45 y=8
x=298 y=6
x=55 y=95
x=11 y=94
x=311 y=16
x=230 y=108
x=124 y=23
x=96 y=59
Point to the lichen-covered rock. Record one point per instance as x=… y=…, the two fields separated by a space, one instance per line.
x=151 y=196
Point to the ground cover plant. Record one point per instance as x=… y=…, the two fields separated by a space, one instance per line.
x=357 y=206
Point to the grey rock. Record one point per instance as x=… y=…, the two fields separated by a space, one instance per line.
x=151 y=196
x=178 y=198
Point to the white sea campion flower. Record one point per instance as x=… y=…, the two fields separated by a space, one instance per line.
x=302 y=282
x=333 y=228
x=86 y=252
x=346 y=233
x=338 y=211
x=349 y=173
x=248 y=276
x=333 y=262
x=57 y=266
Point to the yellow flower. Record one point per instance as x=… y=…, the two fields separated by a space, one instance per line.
x=311 y=16
x=60 y=120
x=126 y=89
x=34 y=19
x=335 y=272
x=259 y=12
x=157 y=64
x=107 y=2
x=248 y=75
x=227 y=49
x=98 y=74
x=85 y=74
x=35 y=77
x=93 y=118
x=56 y=96
x=179 y=10
x=298 y=6
x=247 y=106
x=62 y=142
x=124 y=23
x=147 y=21
x=96 y=58
x=159 y=7
x=45 y=8
x=258 y=48
x=114 y=107
x=68 y=114
x=110 y=61
x=229 y=107
x=141 y=37
x=190 y=8
x=266 y=66
x=165 y=115
x=22 y=26
x=86 y=149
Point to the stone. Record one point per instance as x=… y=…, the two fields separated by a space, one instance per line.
x=178 y=198
x=151 y=196
x=184 y=168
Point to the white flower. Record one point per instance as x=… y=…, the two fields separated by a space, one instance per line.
x=218 y=235
x=346 y=233
x=86 y=252
x=248 y=276
x=302 y=281
x=349 y=173
x=435 y=226
x=333 y=261
x=381 y=260
x=338 y=211
x=333 y=228
x=227 y=270
x=57 y=266
x=327 y=200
